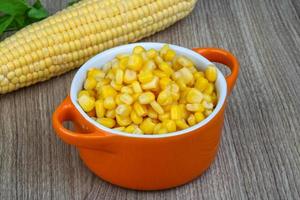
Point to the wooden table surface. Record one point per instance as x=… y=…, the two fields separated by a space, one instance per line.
x=259 y=156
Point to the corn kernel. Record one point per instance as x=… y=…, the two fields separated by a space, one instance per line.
x=109 y=103
x=108 y=122
x=207 y=112
x=170 y=125
x=110 y=114
x=124 y=62
x=184 y=112
x=169 y=55
x=167 y=107
x=123 y=110
x=130 y=76
x=181 y=84
x=139 y=109
x=123 y=120
x=100 y=110
x=186 y=75
x=121 y=56
x=156 y=128
x=152 y=113
x=90 y=83
x=175 y=112
x=126 y=90
x=135 y=62
x=110 y=75
x=164 y=82
x=199 y=116
x=97 y=74
x=157 y=107
x=138 y=50
x=207 y=105
x=135 y=118
x=153 y=84
x=146 y=97
x=87 y=103
x=201 y=83
x=198 y=74
x=115 y=85
x=210 y=88
x=135 y=96
x=181 y=124
x=102 y=82
x=118 y=100
x=136 y=87
x=207 y=98
x=145 y=76
x=185 y=62
x=164 y=98
x=164 y=116
x=147 y=126
x=194 y=96
x=151 y=53
x=83 y=92
x=195 y=107
x=119 y=76
x=159 y=73
x=162 y=130
x=120 y=128
x=149 y=65
x=165 y=67
x=158 y=60
x=126 y=98
x=211 y=73
x=191 y=120
x=137 y=130
x=108 y=90
x=164 y=50
x=214 y=98
x=129 y=129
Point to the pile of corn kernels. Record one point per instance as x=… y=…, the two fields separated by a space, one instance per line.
x=149 y=92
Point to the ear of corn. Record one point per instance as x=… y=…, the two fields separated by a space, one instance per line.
x=70 y=37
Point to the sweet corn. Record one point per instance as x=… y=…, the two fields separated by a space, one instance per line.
x=157 y=107
x=152 y=113
x=191 y=120
x=151 y=53
x=123 y=120
x=166 y=68
x=118 y=100
x=159 y=73
x=162 y=130
x=145 y=76
x=199 y=116
x=138 y=50
x=126 y=90
x=201 y=83
x=194 y=96
x=135 y=118
x=100 y=110
x=135 y=62
x=164 y=98
x=195 y=107
x=147 y=126
x=207 y=105
x=186 y=75
x=90 y=83
x=156 y=128
x=108 y=122
x=175 y=112
x=170 y=125
x=211 y=73
x=115 y=85
x=137 y=87
x=181 y=124
x=149 y=65
x=207 y=112
x=110 y=114
x=123 y=62
x=158 y=59
x=139 y=109
x=184 y=111
x=86 y=102
x=123 y=110
x=164 y=50
x=153 y=84
x=130 y=129
x=146 y=97
x=129 y=76
x=126 y=98
x=185 y=62
x=169 y=55
x=209 y=89
x=109 y=103
x=164 y=82
x=120 y=128
x=83 y=92
x=107 y=91
x=96 y=74
x=119 y=76
x=198 y=74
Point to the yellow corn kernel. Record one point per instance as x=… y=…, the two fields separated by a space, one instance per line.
x=146 y=98
x=120 y=128
x=137 y=87
x=209 y=89
x=158 y=60
x=164 y=116
x=100 y=110
x=195 y=107
x=87 y=103
x=169 y=55
x=102 y=82
x=183 y=95
x=181 y=84
x=123 y=120
x=139 y=109
x=108 y=122
x=175 y=112
x=144 y=57
x=90 y=83
x=191 y=120
x=149 y=65
x=185 y=62
x=164 y=98
x=138 y=50
x=147 y=126
x=118 y=100
x=165 y=67
x=198 y=74
x=193 y=69
x=175 y=63
x=151 y=85
x=207 y=112
x=157 y=107
x=129 y=76
x=83 y=92
x=126 y=98
x=151 y=53
x=108 y=90
x=110 y=114
x=109 y=103
x=95 y=73
x=135 y=96
x=214 y=98
x=194 y=96
x=181 y=124
x=145 y=76
x=164 y=50
x=129 y=129
x=207 y=105
x=164 y=82
x=123 y=110
x=152 y=113
x=135 y=118
x=211 y=73
x=115 y=85
x=135 y=62
x=159 y=73
x=156 y=128
x=167 y=108
x=201 y=83
x=207 y=98
x=186 y=76
x=120 y=56
x=119 y=76
x=199 y=116
x=162 y=130
x=110 y=75
x=124 y=62
x=170 y=125
x=184 y=112
x=126 y=90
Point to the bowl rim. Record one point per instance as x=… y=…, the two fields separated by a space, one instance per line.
x=80 y=75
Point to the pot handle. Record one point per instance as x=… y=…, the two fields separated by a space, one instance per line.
x=224 y=57
x=89 y=136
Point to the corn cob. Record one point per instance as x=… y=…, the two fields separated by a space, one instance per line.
x=67 y=39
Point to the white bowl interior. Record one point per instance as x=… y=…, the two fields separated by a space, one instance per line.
x=106 y=56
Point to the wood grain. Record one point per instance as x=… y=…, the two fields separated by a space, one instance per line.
x=259 y=156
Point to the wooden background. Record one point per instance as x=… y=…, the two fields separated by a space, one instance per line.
x=259 y=156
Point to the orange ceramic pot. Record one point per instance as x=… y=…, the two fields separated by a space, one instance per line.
x=147 y=162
